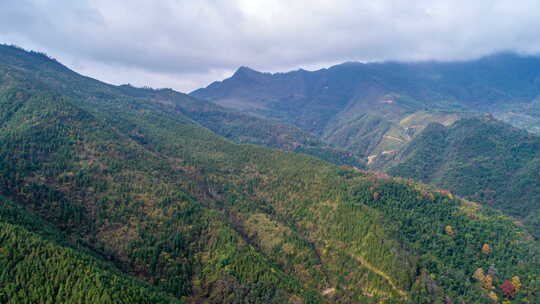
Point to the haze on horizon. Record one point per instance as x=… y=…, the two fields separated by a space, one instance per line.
x=188 y=44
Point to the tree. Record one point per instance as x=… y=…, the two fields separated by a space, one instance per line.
x=487 y=283
x=508 y=289
x=516 y=282
x=493 y=296
x=479 y=274
x=486 y=249
x=449 y=230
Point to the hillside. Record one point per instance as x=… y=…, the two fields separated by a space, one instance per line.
x=242 y=128
x=362 y=107
x=142 y=194
x=481 y=159
x=38 y=265
x=232 y=125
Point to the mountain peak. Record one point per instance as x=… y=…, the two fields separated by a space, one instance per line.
x=18 y=56
x=244 y=70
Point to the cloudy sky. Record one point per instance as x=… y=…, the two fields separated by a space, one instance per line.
x=186 y=44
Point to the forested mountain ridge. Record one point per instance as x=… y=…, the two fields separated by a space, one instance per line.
x=233 y=125
x=155 y=196
x=389 y=102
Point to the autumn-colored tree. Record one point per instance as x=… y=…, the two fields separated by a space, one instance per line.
x=447 y=193
x=508 y=289
x=487 y=283
x=479 y=274
x=493 y=296
x=486 y=249
x=516 y=282
x=449 y=230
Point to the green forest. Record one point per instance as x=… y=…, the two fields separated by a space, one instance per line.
x=114 y=194
x=481 y=159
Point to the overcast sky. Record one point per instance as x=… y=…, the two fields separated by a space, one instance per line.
x=188 y=44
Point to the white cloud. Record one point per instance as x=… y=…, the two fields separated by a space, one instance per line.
x=187 y=44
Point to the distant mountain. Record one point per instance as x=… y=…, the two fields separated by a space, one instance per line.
x=344 y=103
x=116 y=194
x=481 y=159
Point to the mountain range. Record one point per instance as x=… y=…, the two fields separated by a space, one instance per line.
x=379 y=112
x=117 y=194
x=372 y=108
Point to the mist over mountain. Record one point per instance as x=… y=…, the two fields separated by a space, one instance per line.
x=319 y=100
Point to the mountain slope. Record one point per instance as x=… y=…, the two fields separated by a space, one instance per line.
x=127 y=170
x=242 y=128
x=233 y=125
x=481 y=159
x=101 y=187
x=203 y=219
x=37 y=265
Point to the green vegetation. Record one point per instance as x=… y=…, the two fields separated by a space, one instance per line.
x=379 y=138
x=481 y=159
x=420 y=220
x=245 y=129
x=133 y=193
x=378 y=111
x=37 y=266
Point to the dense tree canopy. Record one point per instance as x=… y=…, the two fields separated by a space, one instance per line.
x=114 y=197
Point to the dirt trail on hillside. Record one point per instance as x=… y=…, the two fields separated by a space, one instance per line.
x=364 y=263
